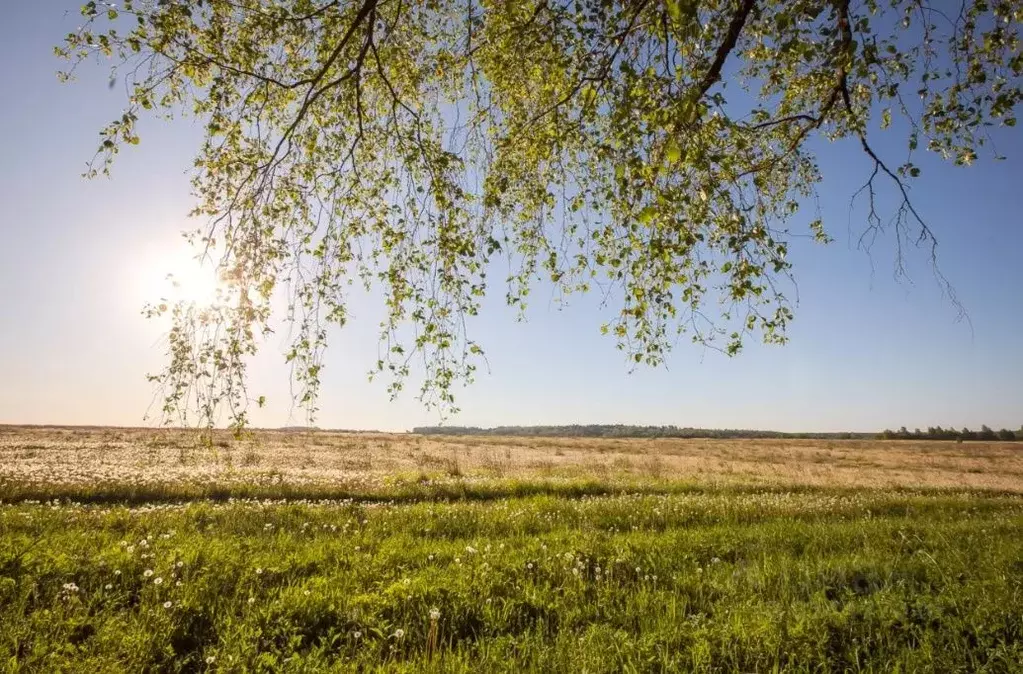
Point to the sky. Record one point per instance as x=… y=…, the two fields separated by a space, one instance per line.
x=79 y=258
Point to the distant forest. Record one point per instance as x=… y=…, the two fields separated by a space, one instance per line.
x=624 y=431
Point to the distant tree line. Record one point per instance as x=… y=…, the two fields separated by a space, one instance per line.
x=939 y=433
x=626 y=431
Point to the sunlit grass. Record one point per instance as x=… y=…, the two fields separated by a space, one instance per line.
x=811 y=581
x=347 y=552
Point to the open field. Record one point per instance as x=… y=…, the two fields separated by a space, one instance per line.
x=45 y=462
x=401 y=553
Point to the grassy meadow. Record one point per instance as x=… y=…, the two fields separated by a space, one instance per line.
x=147 y=551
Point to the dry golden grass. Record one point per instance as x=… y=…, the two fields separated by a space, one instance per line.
x=154 y=456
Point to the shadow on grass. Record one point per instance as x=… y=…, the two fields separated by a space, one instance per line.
x=416 y=491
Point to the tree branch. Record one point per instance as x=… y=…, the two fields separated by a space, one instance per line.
x=725 y=48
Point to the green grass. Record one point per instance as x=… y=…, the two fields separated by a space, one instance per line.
x=711 y=580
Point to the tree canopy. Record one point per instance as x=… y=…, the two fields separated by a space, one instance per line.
x=654 y=151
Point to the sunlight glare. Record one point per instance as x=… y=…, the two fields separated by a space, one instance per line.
x=179 y=276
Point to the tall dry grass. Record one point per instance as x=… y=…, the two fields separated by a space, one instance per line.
x=147 y=456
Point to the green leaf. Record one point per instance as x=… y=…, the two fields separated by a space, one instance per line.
x=673 y=152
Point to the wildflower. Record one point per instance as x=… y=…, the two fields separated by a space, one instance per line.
x=158 y=581
x=357 y=634
x=529 y=565
x=399 y=633
x=108 y=586
x=147 y=573
x=259 y=571
x=430 y=557
x=168 y=604
x=471 y=550
x=252 y=600
x=434 y=614
x=179 y=565
x=210 y=659
x=306 y=593
x=117 y=572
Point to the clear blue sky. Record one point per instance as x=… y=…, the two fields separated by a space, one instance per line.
x=79 y=258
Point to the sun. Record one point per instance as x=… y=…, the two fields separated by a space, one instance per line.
x=196 y=283
x=180 y=276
